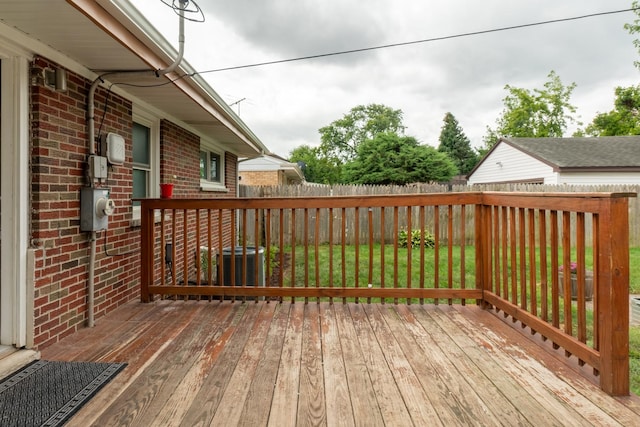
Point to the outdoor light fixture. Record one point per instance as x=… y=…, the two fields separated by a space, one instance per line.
x=499 y=164
x=56 y=79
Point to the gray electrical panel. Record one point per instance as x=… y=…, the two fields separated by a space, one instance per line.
x=95 y=208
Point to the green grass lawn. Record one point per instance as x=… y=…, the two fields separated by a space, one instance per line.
x=634 y=331
x=382 y=272
x=388 y=278
x=634 y=358
x=634 y=270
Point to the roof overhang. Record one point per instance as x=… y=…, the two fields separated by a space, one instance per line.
x=272 y=162
x=109 y=35
x=292 y=171
x=619 y=169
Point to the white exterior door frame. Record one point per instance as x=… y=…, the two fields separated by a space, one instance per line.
x=16 y=268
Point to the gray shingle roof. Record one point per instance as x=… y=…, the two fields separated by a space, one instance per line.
x=609 y=152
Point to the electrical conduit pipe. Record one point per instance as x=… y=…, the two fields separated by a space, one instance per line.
x=92 y=150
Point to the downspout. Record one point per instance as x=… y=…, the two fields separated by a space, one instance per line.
x=92 y=149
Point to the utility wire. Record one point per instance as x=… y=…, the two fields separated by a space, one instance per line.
x=434 y=39
x=386 y=46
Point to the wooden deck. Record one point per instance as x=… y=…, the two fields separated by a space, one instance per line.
x=222 y=363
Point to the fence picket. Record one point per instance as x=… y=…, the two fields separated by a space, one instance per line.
x=314 y=190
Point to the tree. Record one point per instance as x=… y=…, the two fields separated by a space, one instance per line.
x=635 y=28
x=392 y=159
x=539 y=113
x=341 y=139
x=456 y=145
x=624 y=119
x=317 y=168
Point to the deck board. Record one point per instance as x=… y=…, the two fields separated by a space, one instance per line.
x=268 y=363
x=285 y=382
x=407 y=381
x=366 y=410
x=492 y=395
x=255 y=412
x=467 y=401
x=311 y=409
x=139 y=346
x=205 y=403
x=337 y=397
x=169 y=411
x=500 y=382
x=384 y=384
x=542 y=384
x=625 y=410
x=441 y=398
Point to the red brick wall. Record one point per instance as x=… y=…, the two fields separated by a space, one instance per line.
x=180 y=158
x=231 y=173
x=58 y=153
x=180 y=164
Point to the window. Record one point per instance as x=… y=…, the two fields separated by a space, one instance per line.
x=211 y=171
x=141 y=161
x=210 y=166
x=146 y=158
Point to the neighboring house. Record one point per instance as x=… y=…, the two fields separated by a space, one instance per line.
x=165 y=126
x=574 y=161
x=269 y=169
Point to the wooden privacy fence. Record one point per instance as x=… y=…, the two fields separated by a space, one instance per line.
x=331 y=222
x=525 y=262
x=367 y=190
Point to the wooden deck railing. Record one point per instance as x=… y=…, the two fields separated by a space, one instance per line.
x=530 y=240
x=506 y=251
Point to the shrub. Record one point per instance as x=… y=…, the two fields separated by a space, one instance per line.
x=403 y=239
x=274 y=260
x=204 y=261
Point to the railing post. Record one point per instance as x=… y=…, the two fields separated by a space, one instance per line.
x=613 y=296
x=146 y=251
x=480 y=248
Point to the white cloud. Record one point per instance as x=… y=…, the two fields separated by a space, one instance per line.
x=286 y=104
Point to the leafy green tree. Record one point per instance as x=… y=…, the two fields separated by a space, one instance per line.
x=624 y=119
x=317 y=168
x=392 y=159
x=539 y=113
x=341 y=139
x=634 y=28
x=456 y=145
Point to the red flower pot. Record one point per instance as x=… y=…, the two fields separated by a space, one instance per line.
x=166 y=191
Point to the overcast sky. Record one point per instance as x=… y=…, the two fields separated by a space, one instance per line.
x=285 y=104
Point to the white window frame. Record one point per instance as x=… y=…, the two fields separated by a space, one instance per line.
x=146 y=118
x=206 y=184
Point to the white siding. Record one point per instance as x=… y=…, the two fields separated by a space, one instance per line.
x=599 y=178
x=506 y=164
x=262 y=163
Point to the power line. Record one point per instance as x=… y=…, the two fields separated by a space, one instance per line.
x=386 y=46
x=434 y=39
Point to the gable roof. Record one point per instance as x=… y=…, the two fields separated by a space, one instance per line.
x=609 y=152
x=265 y=158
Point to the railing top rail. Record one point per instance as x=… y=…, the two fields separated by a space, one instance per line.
x=588 y=201
x=417 y=199
x=577 y=202
x=571 y=195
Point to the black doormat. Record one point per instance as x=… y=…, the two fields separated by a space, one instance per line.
x=46 y=393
